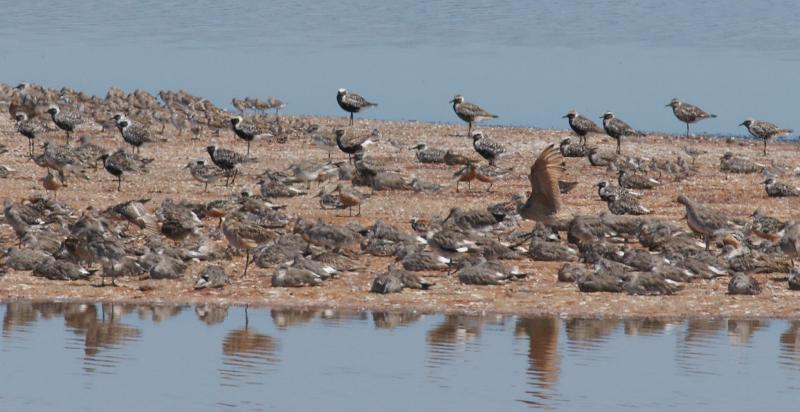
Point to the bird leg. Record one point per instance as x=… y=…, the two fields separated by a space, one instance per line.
x=205 y=189
x=359 y=210
x=619 y=144
x=248 y=150
x=469 y=129
x=351 y=118
x=708 y=241
x=246 y=261
x=687 y=130
x=765 y=147
x=457 y=182
x=119 y=183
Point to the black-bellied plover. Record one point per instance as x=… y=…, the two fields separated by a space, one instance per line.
x=120 y=162
x=66 y=121
x=205 y=173
x=688 y=113
x=743 y=284
x=731 y=163
x=569 y=149
x=606 y=189
x=469 y=112
x=581 y=125
x=764 y=130
x=425 y=154
x=135 y=134
x=227 y=160
x=352 y=103
x=28 y=128
x=617 y=129
x=544 y=202
x=486 y=147
x=212 y=277
x=626 y=204
x=633 y=180
x=352 y=144
x=778 y=189
x=248 y=131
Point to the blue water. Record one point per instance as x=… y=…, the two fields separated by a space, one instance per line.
x=132 y=358
x=527 y=61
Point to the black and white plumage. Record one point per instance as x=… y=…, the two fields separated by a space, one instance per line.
x=743 y=284
x=205 y=173
x=581 y=125
x=352 y=103
x=119 y=163
x=247 y=131
x=66 y=121
x=469 y=112
x=227 y=160
x=28 y=128
x=135 y=134
x=631 y=180
x=605 y=190
x=352 y=144
x=426 y=154
x=688 y=113
x=626 y=204
x=617 y=128
x=568 y=149
x=764 y=130
x=486 y=147
x=778 y=189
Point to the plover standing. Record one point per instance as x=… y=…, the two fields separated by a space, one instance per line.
x=763 y=130
x=29 y=129
x=66 y=121
x=616 y=128
x=134 y=134
x=352 y=145
x=205 y=173
x=581 y=125
x=247 y=131
x=469 y=112
x=688 y=113
x=352 y=103
x=486 y=147
x=227 y=160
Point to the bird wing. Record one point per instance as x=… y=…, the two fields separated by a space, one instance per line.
x=584 y=123
x=356 y=100
x=472 y=109
x=545 y=196
x=624 y=128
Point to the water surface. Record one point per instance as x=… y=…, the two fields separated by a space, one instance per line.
x=528 y=61
x=131 y=358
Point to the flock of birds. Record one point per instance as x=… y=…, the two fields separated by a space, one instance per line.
x=128 y=240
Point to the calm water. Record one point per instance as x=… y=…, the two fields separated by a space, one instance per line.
x=528 y=61
x=132 y=358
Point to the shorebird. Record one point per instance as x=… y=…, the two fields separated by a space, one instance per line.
x=52 y=184
x=120 y=162
x=467 y=174
x=626 y=204
x=352 y=103
x=452 y=159
x=688 y=113
x=487 y=273
x=581 y=125
x=238 y=104
x=469 y=112
x=204 y=173
x=65 y=121
x=350 y=197
x=324 y=141
x=135 y=134
x=731 y=163
x=394 y=280
x=247 y=131
x=743 y=284
x=631 y=180
x=244 y=233
x=605 y=190
x=616 y=128
x=790 y=241
x=29 y=129
x=133 y=211
x=778 y=189
x=227 y=160
x=212 y=276
x=354 y=144
x=704 y=220
x=544 y=202
x=486 y=147
x=291 y=277
x=426 y=154
x=763 y=130
x=178 y=221
x=568 y=149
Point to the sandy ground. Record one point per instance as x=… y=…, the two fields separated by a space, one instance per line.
x=540 y=293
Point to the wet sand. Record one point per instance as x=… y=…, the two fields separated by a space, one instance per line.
x=540 y=293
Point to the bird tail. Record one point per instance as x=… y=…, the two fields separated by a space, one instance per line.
x=712 y=115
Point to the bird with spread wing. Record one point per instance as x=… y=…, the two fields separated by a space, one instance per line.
x=544 y=202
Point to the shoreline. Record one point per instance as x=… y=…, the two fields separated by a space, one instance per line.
x=539 y=294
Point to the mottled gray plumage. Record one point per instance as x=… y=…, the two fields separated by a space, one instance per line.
x=730 y=163
x=30 y=129
x=650 y=284
x=212 y=277
x=688 y=113
x=486 y=147
x=352 y=103
x=631 y=180
x=617 y=129
x=395 y=280
x=289 y=277
x=764 y=130
x=66 y=121
x=569 y=149
x=426 y=154
x=626 y=204
x=778 y=189
x=469 y=112
x=135 y=134
x=743 y=284
x=248 y=131
x=581 y=125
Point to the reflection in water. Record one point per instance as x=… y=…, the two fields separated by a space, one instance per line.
x=543 y=359
x=448 y=341
x=696 y=348
x=211 y=314
x=790 y=346
x=645 y=327
x=586 y=334
x=158 y=313
x=284 y=318
x=741 y=331
x=391 y=320
x=248 y=355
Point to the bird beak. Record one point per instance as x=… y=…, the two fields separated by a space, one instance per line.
x=565 y=116
x=452 y=101
x=741 y=124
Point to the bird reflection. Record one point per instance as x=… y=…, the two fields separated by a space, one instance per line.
x=391 y=320
x=741 y=331
x=284 y=318
x=452 y=337
x=158 y=313
x=645 y=327
x=589 y=333
x=790 y=345
x=543 y=358
x=697 y=344
x=211 y=314
x=248 y=354
x=19 y=315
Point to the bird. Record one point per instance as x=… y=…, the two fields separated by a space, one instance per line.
x=66 y=121
x=247 y=131
x=743 y=284
x=568 y=149
x=292 y=277
x=486 y=147
x=544 y=202
x=352 y=103
x=631 y=180
x=581 y=125
x=205 y=173
x=704 y=220
x=350 y=197
x=324 y=141
x=730 y=163
x=135 y=134
x=778 y=189
x=352 y=145
x=244 y=233
x=467 y=174
x=120 y=162
x=227 y=160
x=617 y=129
x=763 y=130
x=625 y=204
x=133 y=211
x=426 y=154
x=688 y=113
x=51 y=183
x=211 y=277
x=469 y=112
x=29 y=129
x=605 y=190
x=790 y=241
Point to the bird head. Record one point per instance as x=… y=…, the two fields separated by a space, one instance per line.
x=457 y=99
x=477 y=135
x=236 y=120
x=768 y=181
x=21 y=116
x=673 y=103
x=747 y=122
x=420 y=146
x=682 y=199
x=341 y=92
x=53 y=109
x=570 y=115
x=607 y=116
